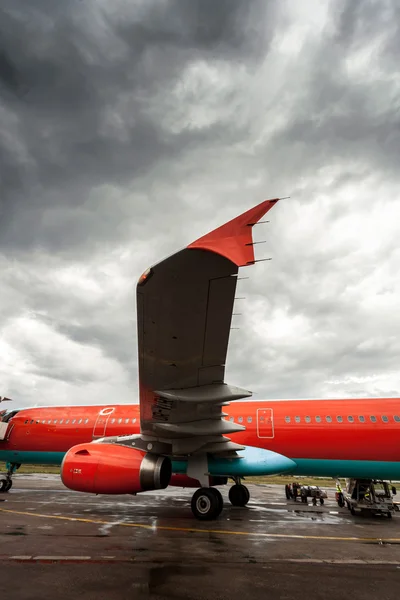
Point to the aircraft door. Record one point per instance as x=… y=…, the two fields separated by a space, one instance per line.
x=99 y=429
x=265 y=423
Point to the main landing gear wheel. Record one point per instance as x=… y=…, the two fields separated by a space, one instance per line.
x=207 y=504
x=239 y=495
x=6 y=480
x=5 y=485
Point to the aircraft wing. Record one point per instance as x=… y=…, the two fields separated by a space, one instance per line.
x=184 y=312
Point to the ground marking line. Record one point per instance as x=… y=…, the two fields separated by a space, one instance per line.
x=195 y=530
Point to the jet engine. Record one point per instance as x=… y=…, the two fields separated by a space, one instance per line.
x=114 y=469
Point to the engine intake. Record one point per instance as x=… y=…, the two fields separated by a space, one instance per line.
x=114 y=469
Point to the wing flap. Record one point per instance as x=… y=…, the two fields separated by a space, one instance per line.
x=199 y=428
x=214 y=393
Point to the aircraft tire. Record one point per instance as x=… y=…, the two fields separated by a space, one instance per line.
x=239 y=495
x=206 y=504
x=8 y=485
x=3 y=486
x=220 y=498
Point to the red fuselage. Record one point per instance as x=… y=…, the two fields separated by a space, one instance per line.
x=314 y=433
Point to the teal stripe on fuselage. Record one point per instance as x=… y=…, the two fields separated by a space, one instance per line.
x=304 y=466
x=357 y=469
x=32 y=458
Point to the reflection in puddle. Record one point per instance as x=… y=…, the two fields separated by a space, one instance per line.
x=298 y=516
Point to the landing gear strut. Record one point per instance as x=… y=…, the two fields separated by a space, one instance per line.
x=207 y=504
x=6 y=480
x=239 y=495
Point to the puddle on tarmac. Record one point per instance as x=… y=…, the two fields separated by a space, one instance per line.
x=298 y=516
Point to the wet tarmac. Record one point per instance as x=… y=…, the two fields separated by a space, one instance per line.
x=55 y=543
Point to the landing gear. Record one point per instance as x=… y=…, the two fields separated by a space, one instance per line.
x=6 y=480
x=207 y=504
x=239 y=495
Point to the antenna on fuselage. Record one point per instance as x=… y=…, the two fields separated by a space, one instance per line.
x=4 y=399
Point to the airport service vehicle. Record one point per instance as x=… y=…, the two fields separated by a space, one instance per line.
x=191 y=428
x=374 y=497
x=296 y=490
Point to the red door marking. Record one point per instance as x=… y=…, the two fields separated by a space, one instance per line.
x=265 y=423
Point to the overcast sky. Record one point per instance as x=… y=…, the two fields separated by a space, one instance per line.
x=130 y=128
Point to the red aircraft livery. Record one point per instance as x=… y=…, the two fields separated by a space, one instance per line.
x=190 y=427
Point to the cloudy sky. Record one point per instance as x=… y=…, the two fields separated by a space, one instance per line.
x=130 y=128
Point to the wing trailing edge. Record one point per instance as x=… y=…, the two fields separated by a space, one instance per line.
x=184 y=311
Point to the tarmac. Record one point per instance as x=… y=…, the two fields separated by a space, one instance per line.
x=55 y=543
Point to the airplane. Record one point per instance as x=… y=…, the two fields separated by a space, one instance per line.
x=191 y=428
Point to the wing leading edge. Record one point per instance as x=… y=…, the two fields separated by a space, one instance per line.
x=184 y=312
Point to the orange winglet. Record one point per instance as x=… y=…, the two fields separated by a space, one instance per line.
x=234 y=239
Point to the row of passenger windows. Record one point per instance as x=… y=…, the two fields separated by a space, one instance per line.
x=340 y=419
x=328 y=419
x=297 y=419
x=77 y=421
x=240 y=419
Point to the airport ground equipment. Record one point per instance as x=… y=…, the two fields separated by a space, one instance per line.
x=367 y=496
x=296 y=490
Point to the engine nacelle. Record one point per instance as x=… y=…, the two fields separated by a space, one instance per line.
x=184 y=481
x=114 y=469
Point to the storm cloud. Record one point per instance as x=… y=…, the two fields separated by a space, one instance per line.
x=130 y=129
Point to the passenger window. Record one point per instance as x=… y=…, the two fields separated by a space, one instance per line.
x=328 y=419
x=240 y=419
x=61 y=421
x=297 y=419
x=112 y=420
x=361 y=419
x=134 y=420
x=350 y=419
x=119 y=420
x=318 y=419
x=86 y=420
x=126 y=420
x=339 y=419
x=230 y=418
x=55 y=421
x=49 y=421
x=26 y=421
x=396 y=418
x=67 y=421
x=44 y=422
x=373 y=419
x=80 y=421
x=249 y=419
x=385 y=419
x=32 y=422
x=73 y=421
x=308 y=419
x=287 y=419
